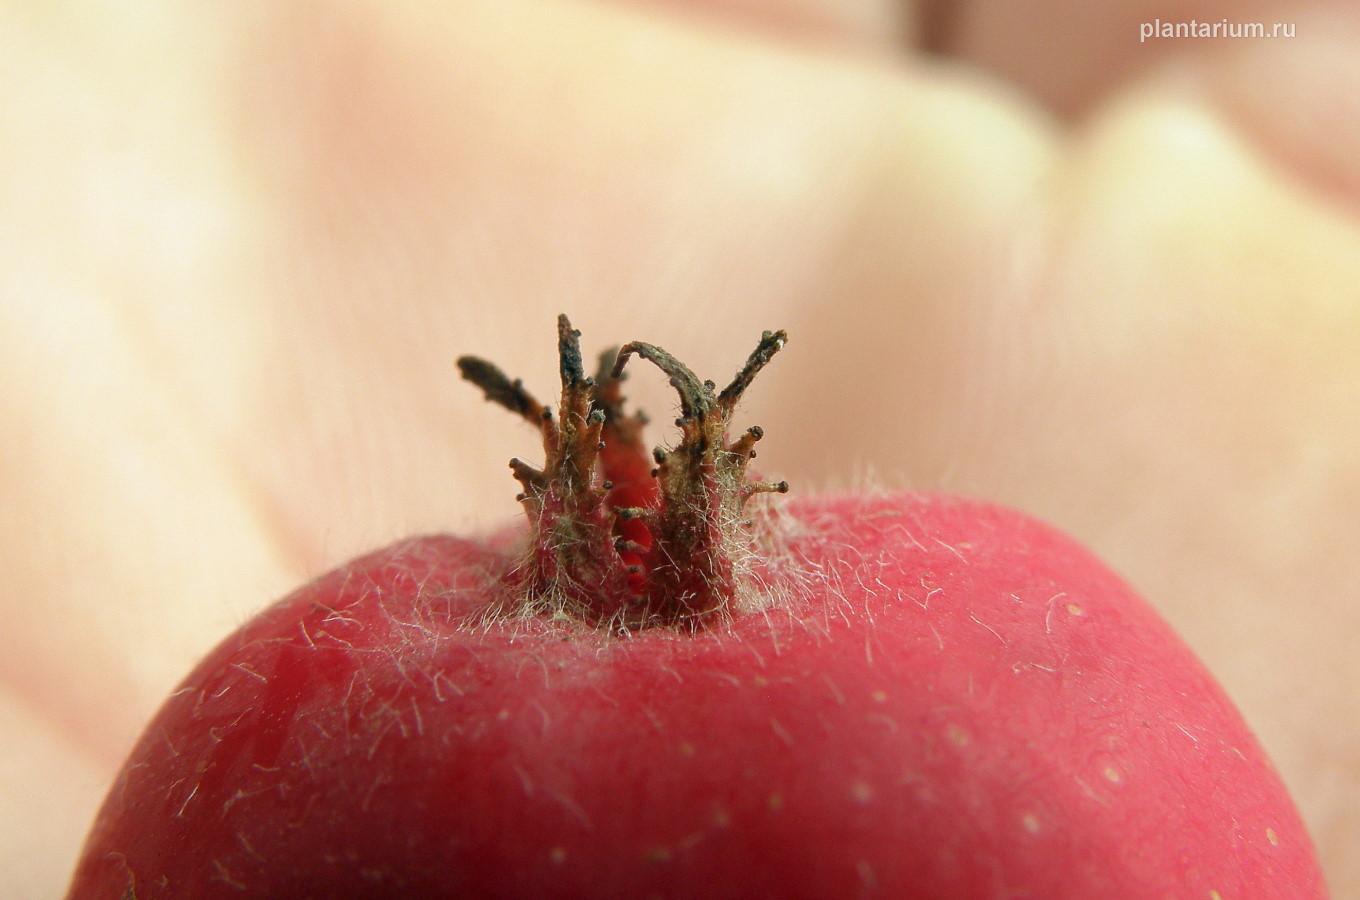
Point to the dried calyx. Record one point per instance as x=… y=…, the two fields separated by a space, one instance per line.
x=621 y=535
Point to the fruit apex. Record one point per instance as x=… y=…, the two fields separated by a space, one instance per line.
x=620 y=536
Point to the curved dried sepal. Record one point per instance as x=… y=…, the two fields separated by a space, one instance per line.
x=696 y=567
x=609 y=399
x=696 y=397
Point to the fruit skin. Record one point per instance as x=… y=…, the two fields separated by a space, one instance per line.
x=942 y=699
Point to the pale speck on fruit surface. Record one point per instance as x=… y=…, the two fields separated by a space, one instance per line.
x=1112 y=774
x=558 y=855
x=861 y=792
x=1272 y=837
x=775 y=802
x=866 y=873
x=1030 y=822
x=879 y=696
x=957 y=736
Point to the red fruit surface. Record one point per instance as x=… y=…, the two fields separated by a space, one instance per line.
x=928 y=698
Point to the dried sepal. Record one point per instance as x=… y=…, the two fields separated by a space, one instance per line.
x=771 y=342
x=615 y=537
x=500 y=389
x=699 y=525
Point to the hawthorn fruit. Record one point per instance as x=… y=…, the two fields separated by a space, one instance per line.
x=665 y=685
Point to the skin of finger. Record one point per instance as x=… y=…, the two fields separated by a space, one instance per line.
x=135 y=343
x=1296 y=100
x=45 y=790
x=1070 y=55
x=129 y=540
x=864 y=26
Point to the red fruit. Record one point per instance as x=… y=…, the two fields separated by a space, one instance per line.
x=660 y=691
